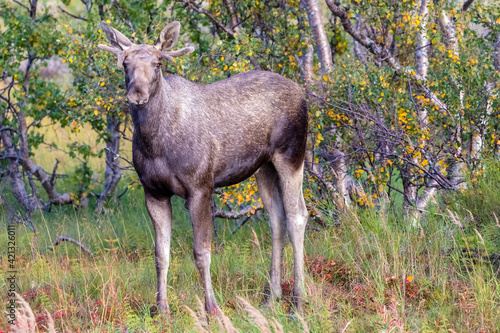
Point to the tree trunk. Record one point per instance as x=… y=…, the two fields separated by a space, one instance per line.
x=232 y=14
x=358 y=50
x=456 y=169
x=422 y=62
x=16 y=180
x=306 y=66
x=113 y=172
x=28 y=164
x=320 y=39
x=337 y=161
x=339 y=169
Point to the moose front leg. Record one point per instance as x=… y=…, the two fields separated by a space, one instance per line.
x=160 y=211
x=200 y=210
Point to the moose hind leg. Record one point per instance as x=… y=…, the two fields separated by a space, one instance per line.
x=200 y=210
x=160 y=211
x=291 y=177
x=268 y=185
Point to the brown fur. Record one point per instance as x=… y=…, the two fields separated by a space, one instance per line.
x=190 y=138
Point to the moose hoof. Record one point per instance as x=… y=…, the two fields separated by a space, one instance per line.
x=160 y=309
x=271 y=297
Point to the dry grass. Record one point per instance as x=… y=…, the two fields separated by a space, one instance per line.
x=256 y=317
x=26 y=320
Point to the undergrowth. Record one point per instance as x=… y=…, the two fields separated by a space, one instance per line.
x=371 y=272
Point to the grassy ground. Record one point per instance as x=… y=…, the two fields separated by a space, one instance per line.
x=371 y=274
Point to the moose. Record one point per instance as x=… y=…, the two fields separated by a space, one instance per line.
x=190 y=139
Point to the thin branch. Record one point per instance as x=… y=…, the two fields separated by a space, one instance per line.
x=466 y=5
x=190 y=4
x=379 y=52
x=118 y=156
x=8 y=128
x=22 y=5
x=53 y=176
x=16 y=216
x=241 y=224
x=78 y=17
x=119 y=9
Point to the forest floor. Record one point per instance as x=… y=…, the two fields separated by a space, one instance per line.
x=366 y=272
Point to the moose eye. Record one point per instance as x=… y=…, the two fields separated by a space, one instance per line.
x=158 y=65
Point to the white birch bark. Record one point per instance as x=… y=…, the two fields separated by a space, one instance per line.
x=320 y=39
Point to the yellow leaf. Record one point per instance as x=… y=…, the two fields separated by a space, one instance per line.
x=409 y=278
x=102 y=84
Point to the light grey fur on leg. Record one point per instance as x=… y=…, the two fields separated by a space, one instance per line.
x=160 y=211
x=268 y=185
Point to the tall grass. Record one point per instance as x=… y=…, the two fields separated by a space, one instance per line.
x=372 y=273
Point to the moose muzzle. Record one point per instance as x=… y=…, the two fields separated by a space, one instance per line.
x=138 y=94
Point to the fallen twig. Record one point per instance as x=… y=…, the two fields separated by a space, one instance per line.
x=236 y=215
x=61 y=239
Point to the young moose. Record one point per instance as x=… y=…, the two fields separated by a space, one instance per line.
x=189 y=139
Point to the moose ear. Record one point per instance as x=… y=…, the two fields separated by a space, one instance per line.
x=168 y=36
x=116 y=38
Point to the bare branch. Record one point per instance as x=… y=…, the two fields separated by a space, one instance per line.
x=78 y=17
x=236 y=215
x=22 y=5
x=119 y=9
x=190 y=4
x=466 y=5
x=119 y=156
x=53 y=177
x=16 y=216
x=241 y=224
x=8 y=128
x=379 y=52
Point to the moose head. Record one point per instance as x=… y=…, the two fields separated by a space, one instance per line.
x=141 y=62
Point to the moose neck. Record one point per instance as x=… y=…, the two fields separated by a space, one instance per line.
x=148 y=118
